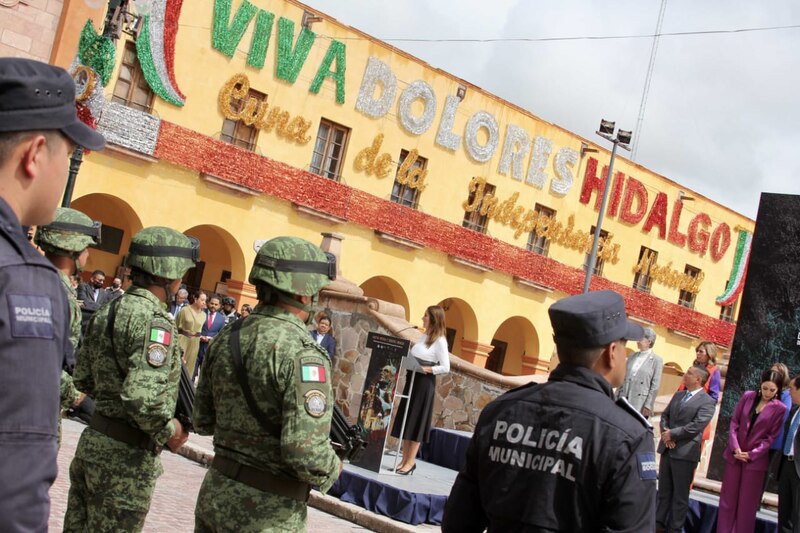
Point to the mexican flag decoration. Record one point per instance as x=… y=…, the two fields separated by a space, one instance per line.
x=91 y=69
x=155 y=48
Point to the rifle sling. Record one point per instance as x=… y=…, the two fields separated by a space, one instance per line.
x=236 y=351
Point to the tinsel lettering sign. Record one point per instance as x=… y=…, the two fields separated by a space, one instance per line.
x=629 y=201
x=290 y=55
x=377 y=95
x=508 y=213
x=667 y=275
x=409 y=173
x=236 y=104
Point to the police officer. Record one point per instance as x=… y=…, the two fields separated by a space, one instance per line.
x=65 y=243
x=38 y=130
x=265 y=395
x=563 y=456
x=130 y=362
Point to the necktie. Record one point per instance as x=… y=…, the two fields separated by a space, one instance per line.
x=210 y=320
x=787 y=445
x=685 y=399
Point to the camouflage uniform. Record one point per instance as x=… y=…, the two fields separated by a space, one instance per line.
x=69 y=234
x=288 y=374
x=132 y=369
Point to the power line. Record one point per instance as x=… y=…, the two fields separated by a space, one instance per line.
x=637 y=132
x=575 y=38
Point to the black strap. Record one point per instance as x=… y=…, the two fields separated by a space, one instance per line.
x=112 y=319
x=93 y=231
x=236 y=351
x=193 y=252
x=310 y=267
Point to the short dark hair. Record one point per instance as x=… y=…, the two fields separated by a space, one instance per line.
x=585 y=357
x=215 y=297
x=98 y=273
x=795 y=381
x=10 y=139
x=324 y=317
x=704 y=375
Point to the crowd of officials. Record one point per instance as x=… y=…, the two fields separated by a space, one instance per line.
x=573 y=454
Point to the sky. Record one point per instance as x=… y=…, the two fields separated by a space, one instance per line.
x=721 y=115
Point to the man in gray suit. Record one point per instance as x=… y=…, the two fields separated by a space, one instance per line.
x=789 y=471
x=682 y=424
x=642 y=375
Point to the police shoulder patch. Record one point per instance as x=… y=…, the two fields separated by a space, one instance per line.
x=625 y=404
x=156 y=355
x=647 y=465
x=316 y=403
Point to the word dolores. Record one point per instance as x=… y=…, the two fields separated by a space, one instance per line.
x=253 y=112
x=526 y=221
x=632 y=206
x=667 y=275
x=517 y=143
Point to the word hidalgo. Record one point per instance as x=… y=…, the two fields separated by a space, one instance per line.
x=525 y=221
x=632 y=206
x=235 y=104
x=517 y=143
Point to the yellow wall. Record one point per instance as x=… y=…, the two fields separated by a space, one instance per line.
x=165 y=194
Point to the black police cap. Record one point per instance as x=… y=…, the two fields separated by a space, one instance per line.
x=591 y=320
x=36 y=96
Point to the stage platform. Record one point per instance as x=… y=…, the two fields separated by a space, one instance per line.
x=420 y=498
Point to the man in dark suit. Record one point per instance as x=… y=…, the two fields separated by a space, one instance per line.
x=92 y=295
x=789 y=470
x=214 y=322
x=181 y=300
x=682 y=424
x=323 y=336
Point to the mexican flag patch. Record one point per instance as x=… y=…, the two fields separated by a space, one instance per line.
x=313 y=374
x=160 y=336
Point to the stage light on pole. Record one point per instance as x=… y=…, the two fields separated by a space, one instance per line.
x=622 y=139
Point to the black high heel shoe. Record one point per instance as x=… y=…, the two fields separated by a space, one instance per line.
x=407 y=472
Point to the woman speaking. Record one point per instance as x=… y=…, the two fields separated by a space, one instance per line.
x=431 y=352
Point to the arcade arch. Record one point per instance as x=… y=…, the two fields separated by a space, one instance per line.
x=516 y=349
x=219 y=253
x=386 y=289
x=462 y=325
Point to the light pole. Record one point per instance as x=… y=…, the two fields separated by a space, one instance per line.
x=622 y=139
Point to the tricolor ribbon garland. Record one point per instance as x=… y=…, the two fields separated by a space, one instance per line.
x=739 y=269
x=155 y=48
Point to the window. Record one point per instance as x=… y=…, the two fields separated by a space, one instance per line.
x=598 y=265
x=329 y=150
x=402 y=193
x=642 y=279
x=728 y=312
x=474 y=220
x=236 y=132
x=686 y=298
x=539 y=243
x=131 y=88
x=497 y=356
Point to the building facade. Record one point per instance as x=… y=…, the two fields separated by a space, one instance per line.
x=237 y=121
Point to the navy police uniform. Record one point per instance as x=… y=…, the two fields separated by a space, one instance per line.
x=563 y=455
x=34 y=322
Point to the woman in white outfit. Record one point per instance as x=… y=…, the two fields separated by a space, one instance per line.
x=431 y=352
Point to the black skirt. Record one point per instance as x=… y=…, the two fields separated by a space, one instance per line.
x=418 y=423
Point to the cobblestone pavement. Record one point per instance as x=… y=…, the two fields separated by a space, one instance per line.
x=172 y=510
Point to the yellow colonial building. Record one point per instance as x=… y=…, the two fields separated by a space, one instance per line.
x=236 y=121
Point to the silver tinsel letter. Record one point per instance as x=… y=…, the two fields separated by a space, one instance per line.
x=515 y=148
x=562 y=183
x=130 y=128
x=479 y=120
x=541 y=153
x=445 y=136
x=412 y=124
x=377 y=72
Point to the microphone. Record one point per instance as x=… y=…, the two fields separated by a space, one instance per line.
x=409 y=327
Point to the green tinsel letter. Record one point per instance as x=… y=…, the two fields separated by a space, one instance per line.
x=290 y=62
x=335 y=51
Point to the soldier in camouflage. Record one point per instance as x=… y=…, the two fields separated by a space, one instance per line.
x=65 y=242
x=271 y=416
x=130 y=362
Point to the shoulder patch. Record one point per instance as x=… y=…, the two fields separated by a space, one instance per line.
x=312 y=373
x=647 y=465
x=316 y=403
x=31 y=316
x=156 y=355
x=160 y=333
x=623 y=402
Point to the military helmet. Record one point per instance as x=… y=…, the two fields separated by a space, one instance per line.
x=70 y=231
x=293 y=265
x=228 y=301
x=162 y=252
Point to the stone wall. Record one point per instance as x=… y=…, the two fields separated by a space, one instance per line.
x=28 y=27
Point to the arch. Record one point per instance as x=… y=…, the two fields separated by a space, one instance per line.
x=219 y=251
x=516 y=349
x=462 y=323
x=120 y=223
x=387 y=289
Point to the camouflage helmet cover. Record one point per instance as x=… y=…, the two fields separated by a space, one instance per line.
x=70 y=231
x=162 y=252
x=293 y=265
x=227 y=300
